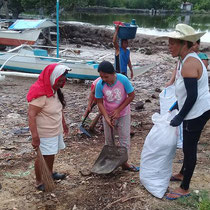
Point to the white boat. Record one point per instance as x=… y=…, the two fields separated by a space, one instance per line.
x=25 y=59
x=23 y=32
x=28 y=60
x=16 y=38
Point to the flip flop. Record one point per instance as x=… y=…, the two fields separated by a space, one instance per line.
x=40 y=187
x=131 y=168
x=57 y=176
x=174 y=179
x=180 y=196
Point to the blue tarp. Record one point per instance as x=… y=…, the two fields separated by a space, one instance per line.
x=30 y=24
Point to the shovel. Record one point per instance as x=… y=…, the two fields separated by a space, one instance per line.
x=110 y=158
x=82 y=129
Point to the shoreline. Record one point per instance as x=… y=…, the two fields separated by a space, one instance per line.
x=84 y=34
x=101 y=9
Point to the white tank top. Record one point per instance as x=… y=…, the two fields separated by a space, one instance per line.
x=202 y=103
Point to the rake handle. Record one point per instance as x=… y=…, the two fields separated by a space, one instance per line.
x=88 y=113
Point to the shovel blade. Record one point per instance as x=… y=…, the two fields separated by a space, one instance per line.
x=110 y=158
x=83 y=130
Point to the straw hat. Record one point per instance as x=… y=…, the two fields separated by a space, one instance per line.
x=184 y=32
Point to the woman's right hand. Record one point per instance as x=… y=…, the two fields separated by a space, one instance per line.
x=35 y=142
x=169 y=83
x=117 y=27
x=109 y=121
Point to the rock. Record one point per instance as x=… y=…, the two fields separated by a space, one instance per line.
x=154 y=96
x=148 y=51
x=74 y=207
x=73 y=125
x=124 y=185
x=157 y=90
x=139 y=105
x=13 y=116
x=148 y=101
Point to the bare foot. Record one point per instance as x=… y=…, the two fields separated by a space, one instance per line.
x=177 y=193
x=177 y=177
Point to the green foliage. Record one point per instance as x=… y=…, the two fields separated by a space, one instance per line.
x=204 y=201
x=17 y=6
x=200 y=201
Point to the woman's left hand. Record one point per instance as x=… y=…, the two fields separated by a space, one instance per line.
x=176 y=121
x=65 y=130
x=115 y=114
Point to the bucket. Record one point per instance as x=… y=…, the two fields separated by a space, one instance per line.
x=128 y=31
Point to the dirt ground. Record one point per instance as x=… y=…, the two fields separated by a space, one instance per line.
x=120 y=190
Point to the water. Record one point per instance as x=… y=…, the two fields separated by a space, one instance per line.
x=148 y=24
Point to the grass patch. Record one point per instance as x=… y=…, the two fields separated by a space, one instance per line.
x=199 y=200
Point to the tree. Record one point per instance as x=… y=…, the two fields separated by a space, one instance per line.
x=15 y=7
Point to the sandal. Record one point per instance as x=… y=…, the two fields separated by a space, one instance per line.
x=41 y=187
x=177 y=195
x=131 y=168
x=57 y=176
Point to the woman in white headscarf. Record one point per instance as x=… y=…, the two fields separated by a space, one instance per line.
x=193 y=101
x=45 y=116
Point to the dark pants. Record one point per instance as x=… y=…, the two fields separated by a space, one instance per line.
x=191 y=134
x=124 y=73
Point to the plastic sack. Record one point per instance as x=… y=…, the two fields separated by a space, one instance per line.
x=157 y=155
x=167 y=99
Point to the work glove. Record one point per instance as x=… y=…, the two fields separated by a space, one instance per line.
x=176 y=121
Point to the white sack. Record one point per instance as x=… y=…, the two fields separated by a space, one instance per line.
x=167 y=99
x=157 y=155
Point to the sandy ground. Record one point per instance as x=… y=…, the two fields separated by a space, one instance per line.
x=120 y=190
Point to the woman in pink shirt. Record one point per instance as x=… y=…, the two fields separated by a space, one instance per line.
x=114 y=93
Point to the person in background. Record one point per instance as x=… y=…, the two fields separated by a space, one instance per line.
x=91 y=103
x=122 y=55
x=201 y=55
x=46 y=117
x=114 y=93
x=193 y=101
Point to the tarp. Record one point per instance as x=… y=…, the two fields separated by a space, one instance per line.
x=30 y=24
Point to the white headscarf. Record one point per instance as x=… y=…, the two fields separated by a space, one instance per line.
x=57 y=72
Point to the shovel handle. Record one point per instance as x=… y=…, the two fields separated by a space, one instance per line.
x=112 y=134
x=88 y=113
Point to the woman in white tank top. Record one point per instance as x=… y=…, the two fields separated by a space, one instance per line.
x=193 y=101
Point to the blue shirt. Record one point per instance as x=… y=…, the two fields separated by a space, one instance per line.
x=124 y=59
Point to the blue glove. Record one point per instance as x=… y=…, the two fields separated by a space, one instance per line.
x=176 y=121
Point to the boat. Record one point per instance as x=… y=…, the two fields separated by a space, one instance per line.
x=16 y=38
x=23 y=32
x=26 y=59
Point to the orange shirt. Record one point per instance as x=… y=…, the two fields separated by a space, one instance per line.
x=49 y=120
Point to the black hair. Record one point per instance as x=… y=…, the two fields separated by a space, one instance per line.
x=106 y=67
x=60 y=94
x=189 y=44
x=61 y=98
x=198 y=42
x=123 y=40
